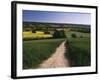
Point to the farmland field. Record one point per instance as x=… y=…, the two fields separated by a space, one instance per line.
x=40 y=41
x=79 y=34
x=36 y=51
x=79 y=49
x=53 y=39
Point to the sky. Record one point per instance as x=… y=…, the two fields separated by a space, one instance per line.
x=56 y=17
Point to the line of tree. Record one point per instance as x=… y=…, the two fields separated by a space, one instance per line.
x=59 y=34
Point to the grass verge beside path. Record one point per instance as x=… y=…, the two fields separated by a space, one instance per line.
x=36 y=51
x=79 y=52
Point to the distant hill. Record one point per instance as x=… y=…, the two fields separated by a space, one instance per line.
x=55 y=25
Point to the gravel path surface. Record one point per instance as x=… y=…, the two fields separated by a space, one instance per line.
x=57 y=59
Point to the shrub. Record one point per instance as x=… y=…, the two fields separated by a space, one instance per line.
x=59 y=34
x=62 y=34
x=33 y=31
x=81 y=36
x=73 y=35
x=46 y=32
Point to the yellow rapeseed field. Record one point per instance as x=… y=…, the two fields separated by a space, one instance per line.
x=37 y=34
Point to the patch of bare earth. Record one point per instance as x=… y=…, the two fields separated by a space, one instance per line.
x=57 y=59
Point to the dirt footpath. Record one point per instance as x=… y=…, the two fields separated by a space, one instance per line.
x=57 y=59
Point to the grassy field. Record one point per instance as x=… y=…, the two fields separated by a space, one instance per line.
x=36 y=51
x=78 y=49
x=79 y=34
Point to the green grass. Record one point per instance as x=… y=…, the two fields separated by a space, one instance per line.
x=36 y=51
x=82 y=43
x=78 y=49
x=68 y=34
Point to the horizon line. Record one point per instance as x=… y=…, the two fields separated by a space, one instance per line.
x=57 y=23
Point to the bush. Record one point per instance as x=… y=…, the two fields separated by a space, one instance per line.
x=81 y=36
x=33 y=31
x=62 y=34
x=59 y=34
x=73 y=35
x=46 y=32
